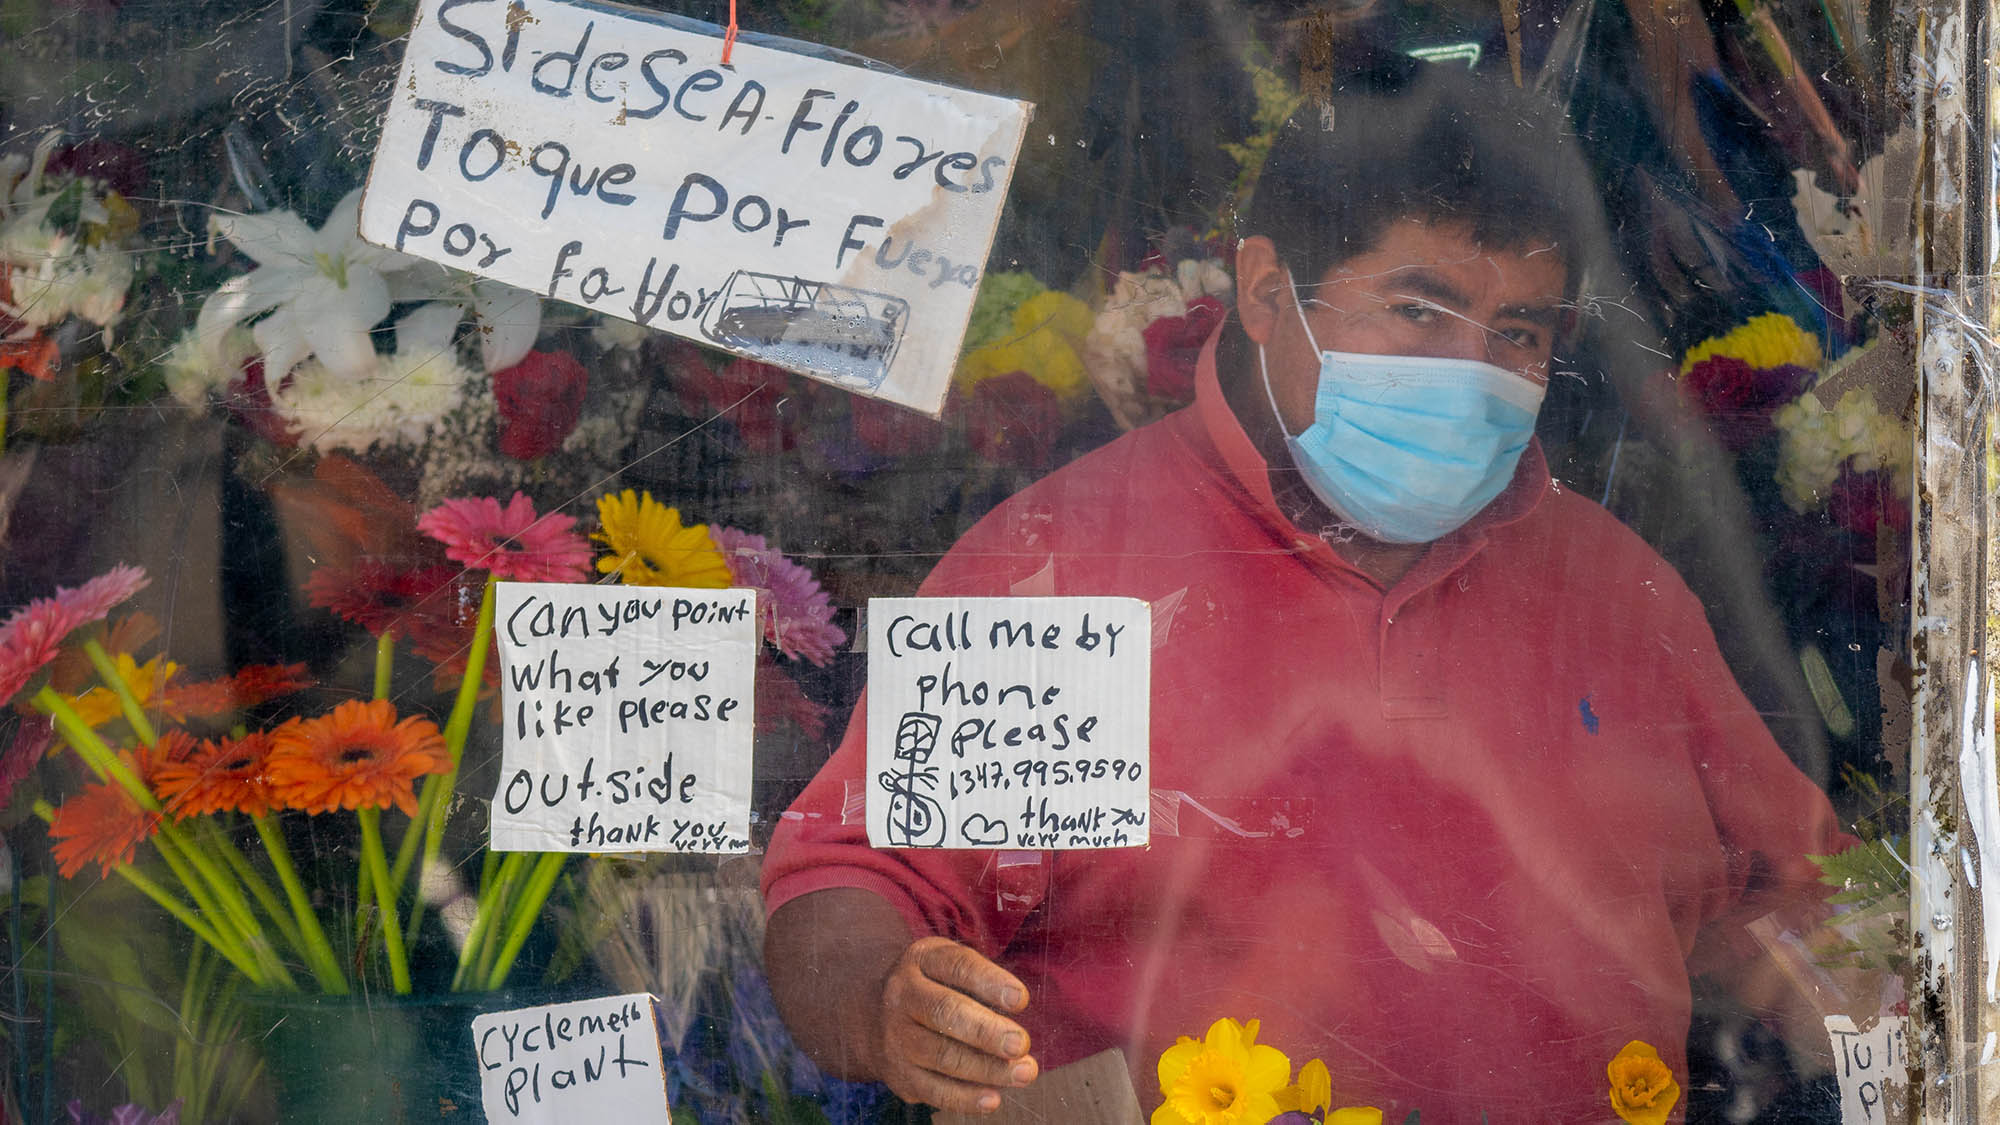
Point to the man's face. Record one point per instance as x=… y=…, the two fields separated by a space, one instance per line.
x=1423 y=290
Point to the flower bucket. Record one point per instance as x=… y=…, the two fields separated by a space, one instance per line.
x=375 y=1059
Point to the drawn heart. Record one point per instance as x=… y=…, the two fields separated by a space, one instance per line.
x=982 y=831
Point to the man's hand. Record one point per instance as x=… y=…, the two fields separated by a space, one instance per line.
x=943 y=1039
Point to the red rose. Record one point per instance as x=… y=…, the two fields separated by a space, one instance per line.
x=752 y=396
x=1862 y=502
x=893 y=431
x=1739 y=399
x=1173 y=347
x=249 y=399
x=540 y=400
x=1012 y=419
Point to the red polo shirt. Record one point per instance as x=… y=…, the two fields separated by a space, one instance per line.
x=1461 y=838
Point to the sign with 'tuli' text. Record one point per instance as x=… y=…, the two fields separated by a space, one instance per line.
x=824 y=217
x=629 y=719
x=1017 y=723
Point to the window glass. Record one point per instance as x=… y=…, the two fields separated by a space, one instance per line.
x=1492 y=422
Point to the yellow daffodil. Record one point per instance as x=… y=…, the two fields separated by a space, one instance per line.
x=1311 y=1094
x=99 y=705
x=651 y=547
x=1226 y=1078
x=1049 y=327
x=1770 y=340
x=1643 y=1090
x=1355 y=1115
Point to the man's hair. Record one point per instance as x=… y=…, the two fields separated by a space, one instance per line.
x=1408 y=140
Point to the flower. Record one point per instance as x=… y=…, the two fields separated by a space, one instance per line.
x=251 y=685
x=103 y=824
x=650 y=547
x=753 y=396
x=1770 y=340
x=1312 y=1093
x=794 y=610
x=1227 y=1078
x=131 y=1113
x=226 y=776
x=377 y=596
x=1740 y=399
x=1816 y=443
x=1000 y=293
x=1012 y=419
x=31 y=741
x=323 y=290
x=1643 y=1090
x=34 y=634
x=1048 y=330
x=356 y=756
x=99 y=705
x=511 y=542
x=394 y=403
x=1355 y=1115
x=1173 y=348
x=893 y=431
x=540 y=400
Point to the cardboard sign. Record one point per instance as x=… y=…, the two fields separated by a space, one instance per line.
x=816 y=215
x=1868 y=1063
x=594 y=1060
x=1015 y=723
x=628 y=718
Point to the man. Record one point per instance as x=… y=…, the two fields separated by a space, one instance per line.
x=1452 y=789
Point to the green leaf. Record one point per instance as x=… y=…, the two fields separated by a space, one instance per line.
x=1413 y=1118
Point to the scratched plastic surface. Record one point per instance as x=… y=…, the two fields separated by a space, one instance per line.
x=1459 y=821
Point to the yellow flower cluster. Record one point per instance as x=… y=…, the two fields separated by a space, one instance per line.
x=1770 y=340
x=1048 y=330
x=1228 y=1078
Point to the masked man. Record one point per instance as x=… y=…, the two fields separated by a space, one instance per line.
x=1461 y=792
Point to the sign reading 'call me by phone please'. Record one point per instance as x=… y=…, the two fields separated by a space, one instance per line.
x=820 y=216
x=1013 y=723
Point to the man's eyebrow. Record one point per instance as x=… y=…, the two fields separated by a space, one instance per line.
x=1419 y=282
x=1547 y=314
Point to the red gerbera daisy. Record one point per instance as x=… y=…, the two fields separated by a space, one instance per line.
x=226 y=776
x=357 y=756
x=377 y=596
x=104 y=824
x=512 y=542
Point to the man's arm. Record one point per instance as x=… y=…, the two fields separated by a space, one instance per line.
x=866 y=1002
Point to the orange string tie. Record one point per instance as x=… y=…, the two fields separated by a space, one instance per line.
x=729 y=34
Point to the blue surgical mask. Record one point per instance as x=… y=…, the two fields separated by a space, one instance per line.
x=1407 y=448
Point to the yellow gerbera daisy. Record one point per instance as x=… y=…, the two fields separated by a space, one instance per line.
x=651 y=547
x=1225 y=1079
x=100 y=705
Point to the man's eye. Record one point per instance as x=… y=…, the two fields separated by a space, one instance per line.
x=1416 y=313
x=1529 y=338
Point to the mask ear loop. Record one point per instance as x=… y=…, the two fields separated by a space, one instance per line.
x=1264 y=369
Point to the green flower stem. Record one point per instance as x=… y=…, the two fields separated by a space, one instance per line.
x=431 y=814
x=129 y=703
x=88 y=746
x=501 y=910
x=385 y=900
x=492 y=879
x=173 y=906
x=522 y=914
x=319 y=953
x=431 y=811
x=234 y=905
x=259 y=889
x=385 y=663
x=232 y=942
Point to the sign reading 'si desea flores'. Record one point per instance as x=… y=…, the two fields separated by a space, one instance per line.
x=629 y=719
x=820 y=216
x=1018 y=723
x=593 y=1060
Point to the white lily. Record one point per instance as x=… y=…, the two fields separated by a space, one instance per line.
x=323 y=290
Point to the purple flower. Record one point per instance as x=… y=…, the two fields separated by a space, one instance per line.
x=796 y=613
x=128 y=1114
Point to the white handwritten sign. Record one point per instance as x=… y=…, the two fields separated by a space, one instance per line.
x=628 y=718
x=1868 y=1063
x=594 y=1060
x=817 y=215
x=1008 y=722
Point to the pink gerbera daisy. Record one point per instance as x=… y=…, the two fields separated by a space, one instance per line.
x=34 y=634
x=512 y=542
x=796 y=613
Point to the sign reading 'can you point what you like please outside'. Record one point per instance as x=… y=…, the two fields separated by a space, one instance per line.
x=820 y=216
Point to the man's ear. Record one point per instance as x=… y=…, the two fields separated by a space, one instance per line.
x=1261 y=288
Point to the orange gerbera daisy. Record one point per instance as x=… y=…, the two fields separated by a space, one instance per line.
x=249 y=687
x=356 y=756
x=226 y=776
x=103 y=824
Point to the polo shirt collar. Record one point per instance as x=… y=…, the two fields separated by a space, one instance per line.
x=1231 y=453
